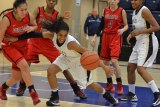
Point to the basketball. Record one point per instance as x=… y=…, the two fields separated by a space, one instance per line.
x=89 y=60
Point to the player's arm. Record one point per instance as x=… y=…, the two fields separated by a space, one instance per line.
x=76 y=47
x=4 y=24
x=32 y=25
x=25 y=36
x=80 y=49
x=35 y=13
x=65 y=15
x=33 y=22
x=147 y=15
x=124 y=18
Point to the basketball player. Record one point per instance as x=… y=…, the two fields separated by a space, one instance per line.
x=112 y=40
x=71 y=52
x=144 y=51
x=46 y=47
x=14 y=23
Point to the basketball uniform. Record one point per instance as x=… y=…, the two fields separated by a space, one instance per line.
x=41 y=45
x=15 y=51
x=144 y=52
x=111 y=41
x=70 y=60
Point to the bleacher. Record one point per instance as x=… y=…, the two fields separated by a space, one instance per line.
x=154 y=6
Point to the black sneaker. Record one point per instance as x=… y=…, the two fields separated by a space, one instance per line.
x=54 y=100
x=78 y=92
x=110 y=98
x=156 y=101
x=130 y=96
x=20 y=91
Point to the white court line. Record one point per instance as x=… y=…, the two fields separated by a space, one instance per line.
x=45 y=89
x=5 y=73
x=58 y=82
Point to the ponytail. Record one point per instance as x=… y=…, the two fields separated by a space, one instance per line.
x=55 y=25
x=5 y=11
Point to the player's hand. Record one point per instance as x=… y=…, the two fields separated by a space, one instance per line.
x=135 y=33
x=29 y=29
x=66 y=14
x=120 y=31
x=128 y=39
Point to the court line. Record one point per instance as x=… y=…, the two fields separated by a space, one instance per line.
x=58 y=82
x=61 y=105
x=45 y=89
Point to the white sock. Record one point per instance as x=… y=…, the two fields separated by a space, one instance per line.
x=54 y=90
x=152 y=85
x=103 y=91
x=131 y=88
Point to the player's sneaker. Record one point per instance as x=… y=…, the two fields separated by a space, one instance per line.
x=35 y=97
x=54 y=100
x=110 y=98
x=3 y=95
x=110 y=87
x=77 y=91
x=129 y=96
x=20 y=91
x=156 y=101
x=120 y=88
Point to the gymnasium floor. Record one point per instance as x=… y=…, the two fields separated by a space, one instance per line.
x=67 y=96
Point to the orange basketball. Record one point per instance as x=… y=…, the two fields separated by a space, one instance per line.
x=89 y=60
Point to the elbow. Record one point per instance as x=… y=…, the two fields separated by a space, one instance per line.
x=157 y=28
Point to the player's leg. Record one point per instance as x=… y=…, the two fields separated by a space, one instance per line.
x=52 y=79
x=85 y=79
x=106 y=94
x=105 y=55
x=115 y=49
x=76 y=89
x=25 y=72
x=131 y=76
x=147 y=62
x=51 y=54
x=14 y=78
x=31 y=57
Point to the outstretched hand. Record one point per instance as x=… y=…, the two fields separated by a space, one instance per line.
x=67 y=14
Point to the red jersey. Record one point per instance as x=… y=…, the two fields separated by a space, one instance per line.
x=16 y=28
x=112 y=20
x=43 y=17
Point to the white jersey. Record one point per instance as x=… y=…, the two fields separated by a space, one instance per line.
x=70 y=60
x=139 y=23
x=146 y=47
x=64 y=50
